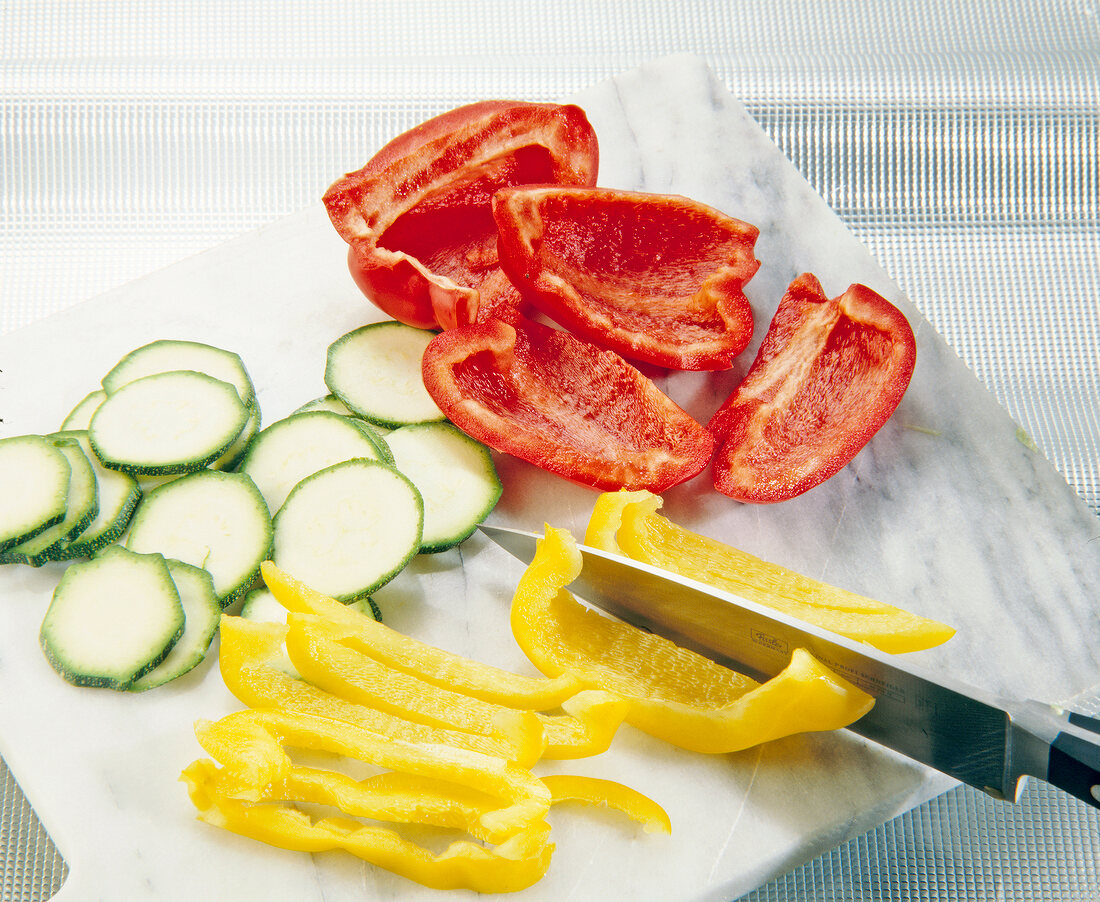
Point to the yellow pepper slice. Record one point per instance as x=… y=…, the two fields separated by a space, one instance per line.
x=609 y=793
x=674 y=693
x=431 y=664
x=326 y=663
x=247 y=648
x=316 y=649
x=251 y=744
x=515 y=864
x=627 y=523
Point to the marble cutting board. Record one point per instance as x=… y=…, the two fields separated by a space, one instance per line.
x=949 y=512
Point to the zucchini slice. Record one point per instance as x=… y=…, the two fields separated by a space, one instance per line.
x=165 y=355
x=349 y=529
x=174 y=422
x=289 y=450
x=455 y=476
x=81 y=415
x=260 y=605
x=209 y=519
x=233 y=456
x=34 y=488
x=327 y=402
x=112 y=619
x=201 y=612
x=81 y=507
x=333 y=404
x=119 y=494
x=375 y=371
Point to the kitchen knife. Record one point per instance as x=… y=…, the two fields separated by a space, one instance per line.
x=959 y=730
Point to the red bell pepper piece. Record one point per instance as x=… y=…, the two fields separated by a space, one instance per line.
x=418 y=215
x=655 y=277
x=828 y=375
x=563 y=404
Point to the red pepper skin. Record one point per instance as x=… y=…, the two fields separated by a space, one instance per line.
x=828 y=375
x=657 y=278
x=418 y=215
x=554 y=400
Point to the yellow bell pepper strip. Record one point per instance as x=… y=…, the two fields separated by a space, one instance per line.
x=674 y=693
x=627 y=523
x=431 y=664
x=246 y=649
x=448 y=804
x=608 y=793
x=334 y=667
x=252 y=745
x=589 y=724
x=515 y=864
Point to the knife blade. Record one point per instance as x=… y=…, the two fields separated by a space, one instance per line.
x=962 y=731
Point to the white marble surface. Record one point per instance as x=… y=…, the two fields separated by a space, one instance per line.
x=947 y=512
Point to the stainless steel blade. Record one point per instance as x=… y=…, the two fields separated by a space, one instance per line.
x=948 y=726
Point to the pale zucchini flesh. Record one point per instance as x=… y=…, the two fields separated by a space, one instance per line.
x=209 y=519
x=376 y=371
x=174 y=422
x=454 y=474
x=201 y=612
x=289 y=450
x=112 y=619
x=34 y=488
x=349 y=529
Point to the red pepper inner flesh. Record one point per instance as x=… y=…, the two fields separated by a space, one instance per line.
x=451 y=231
x=657 y=278
x=637 y=249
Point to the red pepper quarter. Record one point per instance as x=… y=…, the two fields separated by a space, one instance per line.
x=418 y=215
x=828 y=375
x=557 y=401
x=657 y=278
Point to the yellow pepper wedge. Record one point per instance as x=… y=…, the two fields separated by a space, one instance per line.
x=610 y=794
x=433 y=665
x=674 y=693
x=627 y=523
x=515 y=864
x=247 y=648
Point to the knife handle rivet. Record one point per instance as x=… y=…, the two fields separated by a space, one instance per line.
x=1094 y=791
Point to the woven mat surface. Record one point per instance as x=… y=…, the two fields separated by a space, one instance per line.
x=959 y=141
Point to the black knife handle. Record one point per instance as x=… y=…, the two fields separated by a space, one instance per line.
x=1074 y=766
x=1092 y=724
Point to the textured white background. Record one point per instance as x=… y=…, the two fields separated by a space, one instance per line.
x=960 y=140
